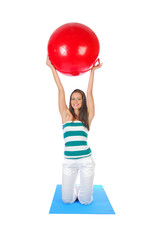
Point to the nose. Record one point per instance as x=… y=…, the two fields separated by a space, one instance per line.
x=75 y=101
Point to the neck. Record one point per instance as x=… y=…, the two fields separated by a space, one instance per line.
x=76 y=113
x=76 y=118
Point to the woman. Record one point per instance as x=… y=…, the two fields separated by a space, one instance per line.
x=76 y=122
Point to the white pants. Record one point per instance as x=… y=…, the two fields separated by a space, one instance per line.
x=70 y=169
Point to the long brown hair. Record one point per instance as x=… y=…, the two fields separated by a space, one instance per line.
x=83 y=114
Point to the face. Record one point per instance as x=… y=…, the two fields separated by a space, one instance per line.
x=76 y=100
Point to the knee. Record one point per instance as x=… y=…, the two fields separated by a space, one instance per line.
x=85 y=200
x=67 y=198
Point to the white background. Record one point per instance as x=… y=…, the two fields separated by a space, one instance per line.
x=125 y=135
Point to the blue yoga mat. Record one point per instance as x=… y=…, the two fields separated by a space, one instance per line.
x=99 y=205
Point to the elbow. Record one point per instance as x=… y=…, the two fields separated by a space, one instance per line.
x=89 y=92
x=61 y=90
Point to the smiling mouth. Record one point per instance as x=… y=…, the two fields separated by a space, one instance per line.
x=75 y=105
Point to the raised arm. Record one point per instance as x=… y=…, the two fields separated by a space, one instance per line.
x=90 y=99
x=61 y=93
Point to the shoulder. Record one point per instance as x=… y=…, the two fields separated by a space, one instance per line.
x=90 y=119
x=67 y=116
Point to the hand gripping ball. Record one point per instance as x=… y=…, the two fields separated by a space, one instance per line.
x=73 y=48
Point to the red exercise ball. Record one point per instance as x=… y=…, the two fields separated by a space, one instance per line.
x=73 y=48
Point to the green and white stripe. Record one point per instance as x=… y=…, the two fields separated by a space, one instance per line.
x=75 y=138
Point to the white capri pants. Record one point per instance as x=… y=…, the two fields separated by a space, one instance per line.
x=70 y=169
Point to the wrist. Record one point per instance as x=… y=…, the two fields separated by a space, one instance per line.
x=52 y=68
x=92 y=70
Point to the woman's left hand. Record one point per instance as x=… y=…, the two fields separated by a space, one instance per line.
x=98 y=65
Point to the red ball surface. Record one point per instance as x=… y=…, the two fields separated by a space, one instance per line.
x=73 y=48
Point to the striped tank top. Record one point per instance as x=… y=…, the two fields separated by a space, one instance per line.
x=75 y=138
